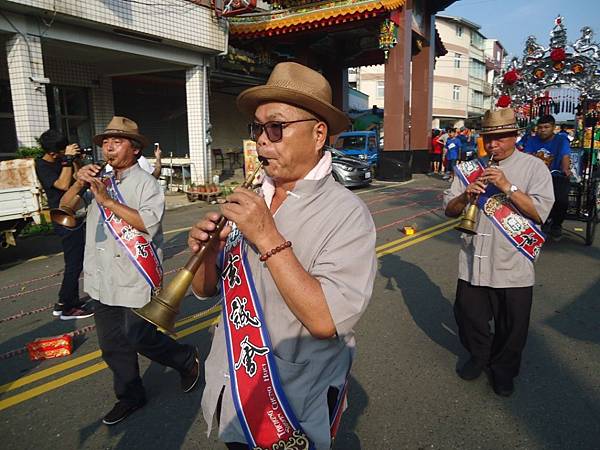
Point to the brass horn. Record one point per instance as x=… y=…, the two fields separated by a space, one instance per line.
x=65 y=214
x=164 y=305
x=468 y=223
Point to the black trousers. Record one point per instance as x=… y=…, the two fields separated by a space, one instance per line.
x=561 y=185
x=122 y=335
x=510 y=308
x=73 y=244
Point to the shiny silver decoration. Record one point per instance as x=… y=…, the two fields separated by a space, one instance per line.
x=537 y=70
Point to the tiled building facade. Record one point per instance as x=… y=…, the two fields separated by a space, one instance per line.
x=59 y=61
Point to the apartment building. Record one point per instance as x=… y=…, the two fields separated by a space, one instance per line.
x=462 y=87
x=72 y=65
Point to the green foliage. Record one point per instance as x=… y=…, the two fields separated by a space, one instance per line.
x=29 y=152
x=32 y=229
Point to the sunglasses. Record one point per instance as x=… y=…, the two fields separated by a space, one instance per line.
x=273 y=129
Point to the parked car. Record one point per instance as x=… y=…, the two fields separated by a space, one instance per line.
x=349 y=171
x=363 y=145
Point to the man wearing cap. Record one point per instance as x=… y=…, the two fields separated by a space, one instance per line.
x=295 y=271
x=122 y=266
x=495 y=272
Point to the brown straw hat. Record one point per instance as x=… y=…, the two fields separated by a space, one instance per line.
x=121 y=127
x=499 y=121
x=300 y=86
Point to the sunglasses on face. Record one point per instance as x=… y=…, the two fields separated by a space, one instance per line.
x=274 y=129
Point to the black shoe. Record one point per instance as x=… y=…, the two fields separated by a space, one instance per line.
x=189 y=379
x=76 y=313
x=556 y=233
x=119 y=412
x=504 y=388
x=471 y=370
x=58 y=309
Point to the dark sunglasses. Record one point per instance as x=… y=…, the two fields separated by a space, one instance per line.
x=273 y=129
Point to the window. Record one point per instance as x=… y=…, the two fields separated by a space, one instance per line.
x=477 y=69
x=69 y=113
x=372 y=143
x=459 y=30
x=456 y=93
x=380 y=89
x=476 y=39
x=457 y=60
x=477 y=98
x=8 y=143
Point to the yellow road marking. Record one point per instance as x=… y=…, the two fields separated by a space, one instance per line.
x=47 y=372
x=177 y=230
x=82 y=373
x=382 y=250
x=416 y=240
x=391 y=185
x=28 y=379
x=414 y=236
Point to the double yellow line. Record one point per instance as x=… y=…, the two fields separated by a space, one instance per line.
x=101 y=365
x=385 y=249
x=407 y=241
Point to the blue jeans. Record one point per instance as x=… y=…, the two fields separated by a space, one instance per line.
x=73 y=244
x=451 y=165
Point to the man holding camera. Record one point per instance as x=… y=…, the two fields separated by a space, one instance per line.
x=55 y=171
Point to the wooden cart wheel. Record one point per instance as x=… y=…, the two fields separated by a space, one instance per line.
x=590 y=229
x=191 y=198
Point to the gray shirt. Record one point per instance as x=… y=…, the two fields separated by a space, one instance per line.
x=488 y=258
x=333 y=237
x=108 y=274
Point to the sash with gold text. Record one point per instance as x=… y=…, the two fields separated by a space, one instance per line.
x=264 y=413
x=521 y=232
x=140 y=251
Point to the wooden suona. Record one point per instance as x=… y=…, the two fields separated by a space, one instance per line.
x=163 y=307
x=65 y=214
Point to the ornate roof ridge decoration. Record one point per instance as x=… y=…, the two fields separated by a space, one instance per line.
x=313 y=15
x=561 y=64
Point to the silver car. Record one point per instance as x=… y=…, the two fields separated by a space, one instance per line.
x=349 y=171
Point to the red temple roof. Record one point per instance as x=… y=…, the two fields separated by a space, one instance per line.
x=309 y=16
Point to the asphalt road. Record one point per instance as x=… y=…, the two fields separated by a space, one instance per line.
x=404 y=392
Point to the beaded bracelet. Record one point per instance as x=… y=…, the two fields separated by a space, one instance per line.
x=265 y=256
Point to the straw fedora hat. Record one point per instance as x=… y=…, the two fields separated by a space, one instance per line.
x=499 y=121
x=121 y=127
x=296 y=85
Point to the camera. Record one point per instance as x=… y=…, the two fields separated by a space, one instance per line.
x=87 y=151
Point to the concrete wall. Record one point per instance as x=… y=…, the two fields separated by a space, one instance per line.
x=367 y=79
x=181 y=21
x=230 y=126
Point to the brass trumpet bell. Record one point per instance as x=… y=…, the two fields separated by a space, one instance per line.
x=163 y=308
x=65 y=216
x=468 y=223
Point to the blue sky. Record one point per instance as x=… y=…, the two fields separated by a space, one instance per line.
x=511 y=21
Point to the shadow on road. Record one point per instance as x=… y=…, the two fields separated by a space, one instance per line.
x=165 y=420
x=579 y=320
x=430 y=310
x=347 y=439
x=22 y=364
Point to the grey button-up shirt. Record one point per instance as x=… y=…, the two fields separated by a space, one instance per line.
x=333 y=237
x=488 y=258
x=108 y=274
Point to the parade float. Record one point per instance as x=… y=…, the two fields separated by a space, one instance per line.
x=562 y=79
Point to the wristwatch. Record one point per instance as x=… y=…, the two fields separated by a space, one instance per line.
x=511 y=190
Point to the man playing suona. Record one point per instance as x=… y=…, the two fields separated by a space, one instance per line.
x=495 y=269
x=296 y=272
x=122 y=266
